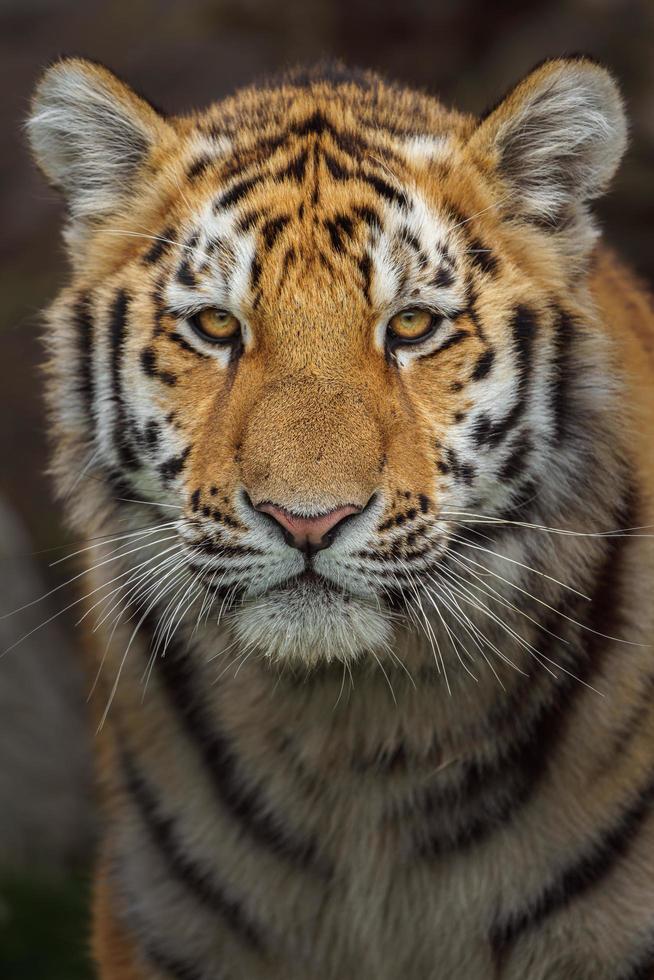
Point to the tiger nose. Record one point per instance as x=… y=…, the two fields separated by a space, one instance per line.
x=308 y=534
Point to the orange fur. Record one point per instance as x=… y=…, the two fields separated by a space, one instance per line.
x=314 y=211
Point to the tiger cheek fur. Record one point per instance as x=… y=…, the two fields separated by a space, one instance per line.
x=356 y=414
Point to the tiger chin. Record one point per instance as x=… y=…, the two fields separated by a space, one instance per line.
x=346 y=382
x=311 y=623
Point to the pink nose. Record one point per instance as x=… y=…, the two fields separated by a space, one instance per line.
x=308 y=533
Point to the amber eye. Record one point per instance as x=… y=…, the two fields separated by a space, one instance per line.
x=411 y=326
x=218 y=326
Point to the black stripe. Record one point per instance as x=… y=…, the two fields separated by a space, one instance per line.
x=483 y=258
x=172 y=467
x=561 y=379
x=290 y=258
x=522 y=496
x=199 y=167
x=117 y=334
x=159 y=247
x=523 y=329
x=84 y=330
x=472 y=312
x=500 y=787
x=463 y=472
x=514 y=465
x=255 y=273
x=150 y=368
x=273 y=228
x=241 y=163
x=384 y=189
x=443 y=278
x=339 y=227
x=244 y=802
x=605 y=617
x=185 y=274
x=365 y=268
x=248 y=220
x=184 y=344
x=163 y=833
x=171 y=966
x=583 y=874
x=314 y=125
x=294 y=170
x=451 y=341
x=317 y=125
x=489 y=793
x=370 y=217
x=483 y=366
x=455 y=215
x=238 y=191
x=336 y=169
x=151 y=434
x=120 y=487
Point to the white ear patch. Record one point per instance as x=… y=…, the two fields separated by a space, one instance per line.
x=90 y=135
x=557 y=139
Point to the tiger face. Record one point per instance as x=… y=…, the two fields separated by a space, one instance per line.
x=319 y=324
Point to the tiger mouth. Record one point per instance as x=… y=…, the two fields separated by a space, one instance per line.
x=309 y=578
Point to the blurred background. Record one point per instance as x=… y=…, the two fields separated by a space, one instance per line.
x=183 y=55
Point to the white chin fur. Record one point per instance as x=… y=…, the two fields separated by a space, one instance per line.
x=309 y=625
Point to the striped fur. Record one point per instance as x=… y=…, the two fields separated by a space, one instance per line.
x=432 y=756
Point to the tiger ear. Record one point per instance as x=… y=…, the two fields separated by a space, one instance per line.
x=556 y=140
x=91 y=135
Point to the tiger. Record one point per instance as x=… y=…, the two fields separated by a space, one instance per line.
x=352 y=410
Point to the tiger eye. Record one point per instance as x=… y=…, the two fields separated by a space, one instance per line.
x=219 y=326
x=411 y=325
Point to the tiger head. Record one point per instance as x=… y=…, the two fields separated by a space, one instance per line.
x=319 y=324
